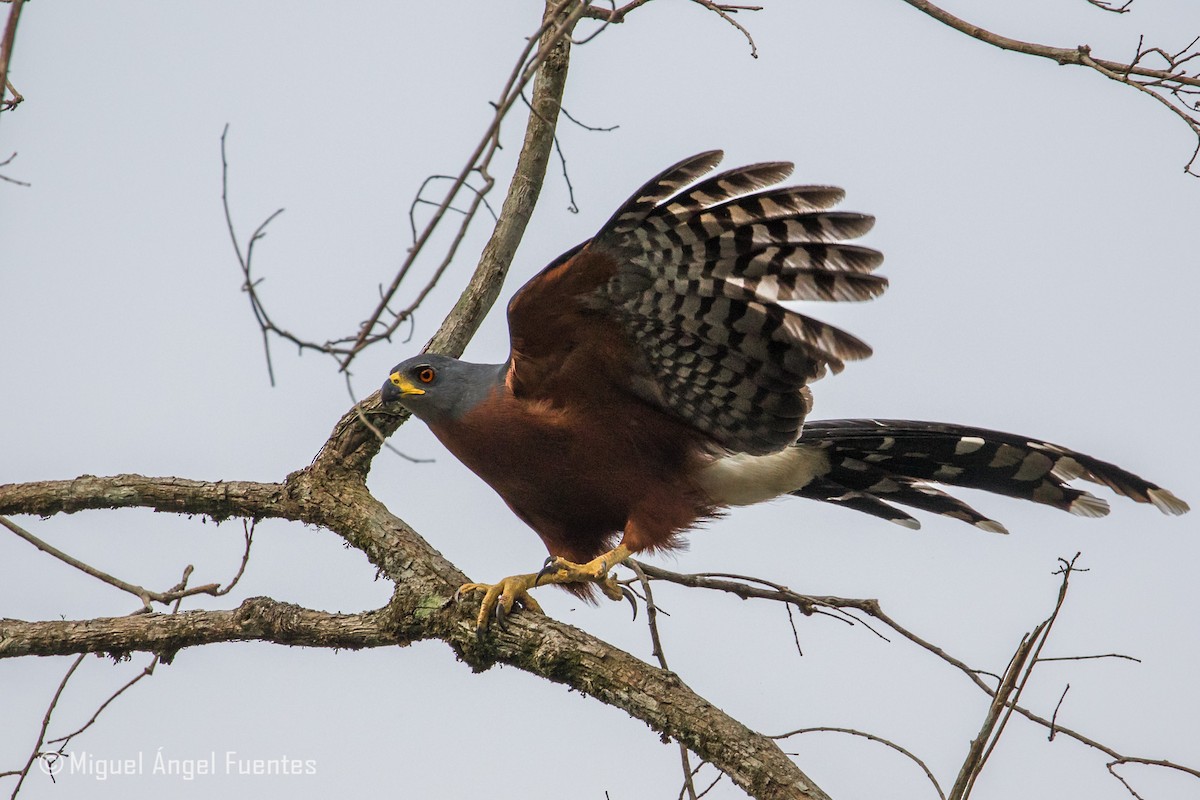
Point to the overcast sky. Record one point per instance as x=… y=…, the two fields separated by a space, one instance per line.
x=1040 y=238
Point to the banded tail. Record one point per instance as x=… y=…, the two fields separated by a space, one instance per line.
x=868 y=465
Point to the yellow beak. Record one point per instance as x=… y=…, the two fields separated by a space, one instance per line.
x=403 y=384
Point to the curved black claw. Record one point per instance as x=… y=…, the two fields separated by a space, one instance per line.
x=632 y=598
x=548 y=566
x=501 y=615
x=500 y=618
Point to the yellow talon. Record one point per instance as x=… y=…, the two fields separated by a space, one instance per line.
x=499 y=598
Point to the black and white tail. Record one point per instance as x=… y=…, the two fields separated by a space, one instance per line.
x=874 y=463
x=870 y=464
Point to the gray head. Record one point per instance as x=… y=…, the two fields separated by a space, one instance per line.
x=438 y=388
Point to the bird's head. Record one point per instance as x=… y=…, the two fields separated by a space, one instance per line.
x=437 y=387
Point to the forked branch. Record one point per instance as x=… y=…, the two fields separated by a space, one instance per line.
x=1170 y=84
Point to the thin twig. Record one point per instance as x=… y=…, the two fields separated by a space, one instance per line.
x=172 y=595
x=143 y=594
x=557 y=25
x=1054 y=716
x=1147 y=88
x=834 y=607
x=1045 y=659
x=148 y=670
x=248 y=528
x=725 y=11
x=554 y=28
x=873 y=609
x=572 y=206
x=6 y=51
x=1172 y=82
x=657 y=651
x=586 y=127
x=795 y=633
x=874 y=738
x=614 y=16
x=5 y=163
x=1104 y=5
x=993 y=724
x=1023 y=661
x=709 y=788
x=41 y=737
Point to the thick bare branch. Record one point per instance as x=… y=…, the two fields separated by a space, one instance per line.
x=217 y=499
x=421 y=609
x=258 y=618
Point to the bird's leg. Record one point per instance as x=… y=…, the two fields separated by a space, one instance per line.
x=499 y=598
x=597 y=571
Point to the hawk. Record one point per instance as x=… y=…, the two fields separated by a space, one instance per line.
x=656 y=379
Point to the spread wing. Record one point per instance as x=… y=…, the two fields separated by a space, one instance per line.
x=677 y=300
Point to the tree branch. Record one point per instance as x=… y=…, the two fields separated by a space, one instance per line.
x=219 y=500
x=421 y=608
x=353 y=444
x=7 y=41
x=548 y=66
x=1173 y=82
x=523 y=192
x=809 y=604
x=1062 y=55
x=259 y=618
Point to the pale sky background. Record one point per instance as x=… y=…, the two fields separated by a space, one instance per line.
x=1041 y=241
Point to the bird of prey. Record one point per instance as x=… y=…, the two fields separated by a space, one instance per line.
x=656 y=379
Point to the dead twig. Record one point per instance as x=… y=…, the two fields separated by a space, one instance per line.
x=1172 y=86
x=383 y=321
x=657 y=651
x=5 y=163
x=1104 y=5
x=1023 y=662
x=41 y=737
x=874 y=738
x=50 y=757
x=1054 y=716
x=614 y=15
x=6 y=49
x=840 y=608
x=557 y=25
x=146 y=596
x=725 y=12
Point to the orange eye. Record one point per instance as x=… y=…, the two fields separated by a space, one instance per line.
x=426 y=375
